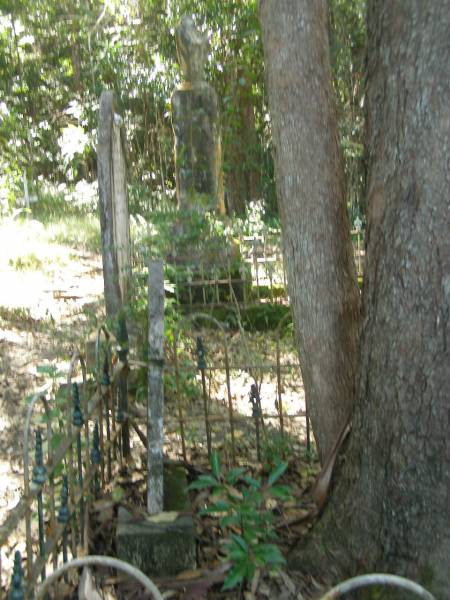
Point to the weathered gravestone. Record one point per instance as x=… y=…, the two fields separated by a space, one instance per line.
x=196 y=126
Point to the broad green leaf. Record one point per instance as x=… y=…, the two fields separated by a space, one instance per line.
x=233 y=475
x=215 y=464
x=277 y=473
x=203 y=482
x=280 y=491
x=237 y=539
x=269 y=553
x=218 y=507
x=253 y=483
x=229 y=520
x=234 y=577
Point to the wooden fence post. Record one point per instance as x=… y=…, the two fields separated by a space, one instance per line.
x=114 y=222
x=155 y=406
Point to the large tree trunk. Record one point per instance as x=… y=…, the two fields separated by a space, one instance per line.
x=311 y=194
x=390 y=509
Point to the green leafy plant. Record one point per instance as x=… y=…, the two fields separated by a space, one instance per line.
x=241 y=503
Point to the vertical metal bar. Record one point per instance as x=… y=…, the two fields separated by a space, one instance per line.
x=230 y=285
x=70 y=468
x=230 y=403
x=178 y=388
x=359 y=254
x=280 y=400
x=206 y=412
x=102 y=443
x=77 y=421
x=255 y=265
x=96 y=458
x=119 y=419
x=41 y=531
x=123 y=402
x=64 y=516
x=112 y=399
x=105 y=390
x=202 y=366
x=39 y=478
x=256 y=413
x=216 y=277
x=202 y=275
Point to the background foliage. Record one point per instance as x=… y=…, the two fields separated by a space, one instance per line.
x=56 y=57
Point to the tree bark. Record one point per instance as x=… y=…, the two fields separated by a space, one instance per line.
x=390 y=508
x=311 y=195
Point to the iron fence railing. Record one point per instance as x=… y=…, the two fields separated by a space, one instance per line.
x=258 y=275
x=75 y=466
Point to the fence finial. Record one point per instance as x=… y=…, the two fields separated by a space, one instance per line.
x=39 y=470
x=17 y=592
x=77 y=415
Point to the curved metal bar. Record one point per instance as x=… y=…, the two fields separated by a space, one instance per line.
x=26 y=465
x=101 y=330
x=377 y=579
x=101 y=561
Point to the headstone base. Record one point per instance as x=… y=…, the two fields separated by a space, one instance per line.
x=160 y=545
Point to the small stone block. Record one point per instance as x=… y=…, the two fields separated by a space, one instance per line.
x=161 y=545
x=164 y=544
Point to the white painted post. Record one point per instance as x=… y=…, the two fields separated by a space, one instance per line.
x=155 y=406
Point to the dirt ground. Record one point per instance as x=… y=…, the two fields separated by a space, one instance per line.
x=47 y=294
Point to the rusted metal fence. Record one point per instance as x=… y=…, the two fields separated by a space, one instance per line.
x=88 y=428
x=259 y=275
x=192 y=358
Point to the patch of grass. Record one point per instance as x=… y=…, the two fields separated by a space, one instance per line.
x=80 y=231
x=15 y=315
x=27 y=262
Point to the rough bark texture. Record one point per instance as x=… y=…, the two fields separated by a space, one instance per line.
x=390 y=509
x=311 y=195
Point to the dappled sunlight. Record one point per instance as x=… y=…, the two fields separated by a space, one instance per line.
x=47 y=279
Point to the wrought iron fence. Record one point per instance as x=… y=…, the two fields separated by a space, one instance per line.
x=194 y=360
x=258 y=275
x=76 y=467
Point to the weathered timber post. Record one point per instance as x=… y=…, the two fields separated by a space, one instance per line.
x=155 y=407
x=114 y=222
